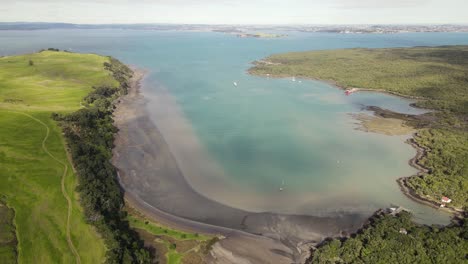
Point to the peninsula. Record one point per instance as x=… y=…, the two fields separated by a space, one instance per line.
x=437 y=77
x=64 y=203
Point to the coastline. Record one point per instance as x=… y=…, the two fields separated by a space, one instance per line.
x=154 y=185
x=411 y=193
x=134 y=94
x=413 y=162
x=337 y=85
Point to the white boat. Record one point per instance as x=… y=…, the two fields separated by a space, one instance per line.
x=281 y=188
x=293 y=79
x=235 y=83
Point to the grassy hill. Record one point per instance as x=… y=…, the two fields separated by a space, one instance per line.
x=36 y=177
x=436 y=75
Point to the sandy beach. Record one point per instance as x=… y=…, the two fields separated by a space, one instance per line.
x=154 y=184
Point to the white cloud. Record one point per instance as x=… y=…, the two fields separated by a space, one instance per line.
x=363 y=4
x=236 y=11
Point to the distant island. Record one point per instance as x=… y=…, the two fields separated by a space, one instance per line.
x=384 y=29
x=239 y=32
x=259 y=35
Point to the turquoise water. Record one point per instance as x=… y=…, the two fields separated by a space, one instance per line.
x=240 y=144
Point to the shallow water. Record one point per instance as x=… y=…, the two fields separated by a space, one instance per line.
x=240 y=144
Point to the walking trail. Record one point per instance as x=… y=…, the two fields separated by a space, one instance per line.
x=64 y=191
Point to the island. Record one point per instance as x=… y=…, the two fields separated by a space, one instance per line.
x=259 y=35
x=437 y=77
x=242 y=33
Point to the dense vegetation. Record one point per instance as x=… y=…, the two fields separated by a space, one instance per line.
x=33 y=183
x=438 y=75
x=8 y=254
x=384 y=240
x=173 y=246
x=446 y=160
x=89 y=133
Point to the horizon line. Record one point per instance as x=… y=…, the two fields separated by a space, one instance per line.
x=242 y=24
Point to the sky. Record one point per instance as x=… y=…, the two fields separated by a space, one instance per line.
x=236 y=11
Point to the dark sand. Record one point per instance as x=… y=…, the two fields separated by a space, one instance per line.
x=155 y=185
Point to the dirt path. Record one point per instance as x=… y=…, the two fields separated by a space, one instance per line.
x=64 y=191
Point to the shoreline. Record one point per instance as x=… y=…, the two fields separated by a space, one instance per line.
x=134 y=93
x=413 y=162
x=154 y=185
x=339 y=86
x=410 y=192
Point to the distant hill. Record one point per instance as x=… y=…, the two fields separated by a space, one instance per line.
x=44 y=25
x=33 y=26
x=338 y=29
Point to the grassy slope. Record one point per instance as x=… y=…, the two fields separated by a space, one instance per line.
x=167 y=237
x=438 y=74
x=155 y=229
x=31 y=180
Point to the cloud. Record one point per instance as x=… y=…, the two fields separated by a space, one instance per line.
x=377 y=4
x=236 y=11
x=126 y=2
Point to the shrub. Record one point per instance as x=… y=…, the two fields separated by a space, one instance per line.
x=89 y=133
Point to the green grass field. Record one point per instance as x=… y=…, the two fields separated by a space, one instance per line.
x=155 y=229
x=33 y=159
